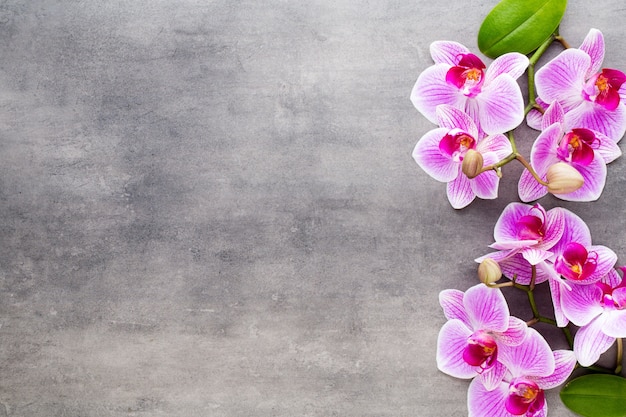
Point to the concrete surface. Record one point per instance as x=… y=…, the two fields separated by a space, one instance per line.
x=209 y=208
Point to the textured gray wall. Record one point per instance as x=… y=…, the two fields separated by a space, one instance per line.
x=209 y=208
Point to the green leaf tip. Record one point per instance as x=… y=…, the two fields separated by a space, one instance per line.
x=519 y=26
x=596 y=395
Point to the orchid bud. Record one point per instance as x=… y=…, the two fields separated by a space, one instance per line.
x=472 y=163
x=563 y=178
x=489 y=271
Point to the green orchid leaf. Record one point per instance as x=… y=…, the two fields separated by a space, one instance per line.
x=596 y=395
x=519 y=26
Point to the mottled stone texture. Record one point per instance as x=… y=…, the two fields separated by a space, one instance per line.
x=209 y=208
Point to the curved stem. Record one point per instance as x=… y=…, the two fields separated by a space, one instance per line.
x=561 y=39
x=532 y=98
x=530 y=169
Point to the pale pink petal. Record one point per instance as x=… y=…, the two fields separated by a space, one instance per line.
x=451 y=301
x=533 y=357
x=615 y=325
x=533 y=119
x=498 y=144
x=484 y=403
x=447 y=52
x=576 y=230
x=492 y=377
x=515 y=333
x=430 y=158
x=581 y=304
x=486 y=308
x=565 y=361
x=452 y=118
x=611 y=123
x=529 y=189
x=594 y=175
x=612 y=279
x=501 y=105
x=460 y=192
x=506 y=225
x=556 y=287
x=544 y=272
x=451 y=343
x=485 y=185
x=543 y=153
x=605 y=262
x=555 y=225
x=563 y=78
x=607 y=149
x=590 y=342
x=535 y=255
x=593 y=45
x=517 y=266
x=431 y=90
x=554 y=114
x=513 y=64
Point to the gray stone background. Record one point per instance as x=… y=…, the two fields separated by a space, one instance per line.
x=209 y=208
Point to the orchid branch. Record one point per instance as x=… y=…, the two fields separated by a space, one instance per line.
x=620 y=355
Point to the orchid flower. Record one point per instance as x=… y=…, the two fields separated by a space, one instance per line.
x=590 y=96
x=532 y=369
x=588 y=151
x=478 y=326
x=524 y=234
x=440 y=153
x=600 y=311
x=459 y=78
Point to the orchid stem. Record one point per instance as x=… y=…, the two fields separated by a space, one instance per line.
x=530 y=169
x=620 y=354
x=532 y=98
x=561 y=39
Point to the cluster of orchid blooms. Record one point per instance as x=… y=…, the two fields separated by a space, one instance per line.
x=581 y=114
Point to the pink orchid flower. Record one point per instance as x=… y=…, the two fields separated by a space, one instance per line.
x=532 y=369
x=600 y=311
x=460 y=79
x=440 y=153
x=524 y=235
x=589 y=95
x=478 y=326
x=588 y=151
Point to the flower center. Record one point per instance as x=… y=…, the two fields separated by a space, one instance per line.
x=456 y=144
x=576 y=263
x=530 y=226
x=481 y=350
x=577 y=146
x=613 y=298
x=603 y=89
x=524 y=396
x=467 y=75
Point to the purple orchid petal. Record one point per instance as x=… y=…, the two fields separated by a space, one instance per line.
x=606 y=148
x=593 y=45
x=451 y=343
x=430 y=158
x=506 y=226
x=590 y=342
x=615 y=324
x=612 y=279
x=482 y=402
x=581 y=304
x=531 y=358
x=517 y=266
x=516 y=245
x=515 y=333
x=447 y=52
x=492 y=378
x=534 y=119
x=486 y=308
x=591 y=116
x=529 y=189
x=452 y=303
x=563 y=78
x=554 y=227
x=576 y=230
x=525 y=397
x=556 y=287
x=497 y=144
x=543 y=153
x=553 y=114
x=605 y=260
x=452 y=118
x=460 y=193
x=514 y=64
x=485 y=185
x=565 y=361
x=501 y=105
x=431 y=90
x=535 y=255
x=594 y=176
